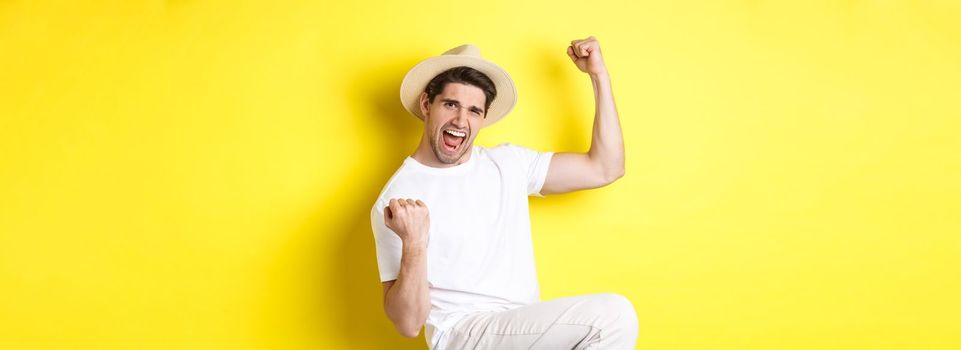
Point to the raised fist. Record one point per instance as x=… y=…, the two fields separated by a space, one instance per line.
x=586 y=54
x=409 y=219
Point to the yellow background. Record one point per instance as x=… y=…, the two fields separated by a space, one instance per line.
x=198 y=175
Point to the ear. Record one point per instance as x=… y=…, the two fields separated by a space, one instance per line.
x=424 y=105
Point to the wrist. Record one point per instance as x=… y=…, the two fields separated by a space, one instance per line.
x=414 y=244
x=600 y=76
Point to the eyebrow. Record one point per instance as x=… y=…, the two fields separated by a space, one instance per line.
x=472 y=108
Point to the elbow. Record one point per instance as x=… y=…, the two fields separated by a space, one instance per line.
x=408 y=323
x=613 y=175
x=409 y=331
x=410 y=326
x=611 y=170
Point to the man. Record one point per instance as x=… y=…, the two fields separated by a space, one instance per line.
x=452 y=225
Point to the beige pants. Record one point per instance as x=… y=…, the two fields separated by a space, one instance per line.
x=595 y=321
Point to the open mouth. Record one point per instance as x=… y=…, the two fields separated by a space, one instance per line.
x=453 y=139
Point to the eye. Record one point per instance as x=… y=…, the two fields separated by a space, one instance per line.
x=449 y=104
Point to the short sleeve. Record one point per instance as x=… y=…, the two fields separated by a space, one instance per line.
x=388 y=245
x=533 y=164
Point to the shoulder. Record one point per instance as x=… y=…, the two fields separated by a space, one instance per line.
x=509 y=150
x=513 y=153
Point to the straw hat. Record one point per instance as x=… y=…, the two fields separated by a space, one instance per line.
x=465 y=55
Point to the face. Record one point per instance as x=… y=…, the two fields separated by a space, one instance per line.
x=452 y=120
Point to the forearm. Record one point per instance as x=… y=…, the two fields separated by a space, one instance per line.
x=407 y=302
x=607 y=142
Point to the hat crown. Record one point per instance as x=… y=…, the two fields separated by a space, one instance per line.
x=465 y=50
x=468 y=55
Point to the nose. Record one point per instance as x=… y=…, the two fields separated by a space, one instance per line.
x=460 y=121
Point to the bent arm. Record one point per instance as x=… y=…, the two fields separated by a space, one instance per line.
x=407 y=299
x=604 y=161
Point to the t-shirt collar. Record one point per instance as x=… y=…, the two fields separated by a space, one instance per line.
x=457 y=169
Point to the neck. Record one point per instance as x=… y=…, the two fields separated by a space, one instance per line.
x=425 y=155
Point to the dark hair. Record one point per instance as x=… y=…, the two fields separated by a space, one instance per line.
x=463 y=75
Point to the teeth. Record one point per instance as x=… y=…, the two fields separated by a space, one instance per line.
x=456 y=133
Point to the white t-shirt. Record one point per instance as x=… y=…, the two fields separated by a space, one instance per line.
x=479 y=251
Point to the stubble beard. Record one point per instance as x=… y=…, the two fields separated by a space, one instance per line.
x=439 y=153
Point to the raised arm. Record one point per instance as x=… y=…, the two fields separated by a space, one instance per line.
x=603 y=163
x=407 y=299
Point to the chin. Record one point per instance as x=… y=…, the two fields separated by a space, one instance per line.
x=451 y=159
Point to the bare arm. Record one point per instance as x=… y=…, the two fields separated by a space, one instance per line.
x=407 y=299
x=603 y=163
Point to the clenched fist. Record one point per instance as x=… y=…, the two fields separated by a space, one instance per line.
x=586 y=54
x=408 y=218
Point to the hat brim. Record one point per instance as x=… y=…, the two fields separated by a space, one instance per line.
x=417 y=78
